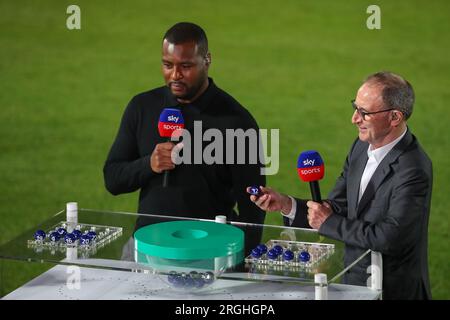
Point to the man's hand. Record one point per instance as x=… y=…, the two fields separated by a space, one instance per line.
x=160 y=159
x=318 y=213
x=270 y=200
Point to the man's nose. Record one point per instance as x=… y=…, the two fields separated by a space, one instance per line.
x=176 y=74
x=356 y=117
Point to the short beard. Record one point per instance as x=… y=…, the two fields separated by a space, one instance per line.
x=191 y=92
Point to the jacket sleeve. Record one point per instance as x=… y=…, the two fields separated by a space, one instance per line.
x=300 y=220
x=125 y=170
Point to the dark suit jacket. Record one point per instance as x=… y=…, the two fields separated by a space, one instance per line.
x=391 y=218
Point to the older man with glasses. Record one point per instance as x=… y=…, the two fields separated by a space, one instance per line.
x=381 y=201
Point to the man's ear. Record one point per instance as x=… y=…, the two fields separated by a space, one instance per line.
x=397 y=116
x=208 y=59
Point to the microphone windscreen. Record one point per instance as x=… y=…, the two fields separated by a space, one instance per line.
x=310 y=166
x=170 y=120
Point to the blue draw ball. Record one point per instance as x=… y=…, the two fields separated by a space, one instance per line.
x=272 y=254
x=62 y=232
x=256 y=253
x=69 y=238
x=199 y=282
x=189 y=282
x=77 y=234
x=39 y=235
x=54 y=236
x=171 y=276
x=304 y=256
x=288 y=255
x=197 y=279
x=92 y=235
x=208 y=277
x=262 y=247
x=255 y=190
x=85 y=240
x=178 y=281
x=278 y=249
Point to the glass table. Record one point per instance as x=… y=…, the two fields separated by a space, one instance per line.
x=158 y=261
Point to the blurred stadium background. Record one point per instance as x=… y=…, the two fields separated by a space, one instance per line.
x=294 y=64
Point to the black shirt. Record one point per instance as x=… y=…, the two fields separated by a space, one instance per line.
x=194 y=190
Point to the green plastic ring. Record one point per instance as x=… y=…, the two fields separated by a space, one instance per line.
x=189 y=240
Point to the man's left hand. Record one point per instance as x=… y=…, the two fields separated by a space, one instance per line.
x=318 y=213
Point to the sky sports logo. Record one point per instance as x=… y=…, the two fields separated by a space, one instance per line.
x=312 y=170
x=170 y=121
x=173 y=118
x=170 y=126
x=310 y=166
x=171 y=115
x=167 y=129
x=308 y=162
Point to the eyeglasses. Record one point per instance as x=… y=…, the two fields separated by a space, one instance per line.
x=363 y=114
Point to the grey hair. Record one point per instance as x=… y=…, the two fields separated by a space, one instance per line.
x=397 y=93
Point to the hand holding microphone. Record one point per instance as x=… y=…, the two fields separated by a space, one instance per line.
x=170 y=120
x=311 y=169
x=160 y=159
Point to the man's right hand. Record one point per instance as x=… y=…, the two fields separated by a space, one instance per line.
x=160 y=159
x=270 y=200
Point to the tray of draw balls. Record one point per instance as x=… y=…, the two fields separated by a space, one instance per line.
x=63 y=235
x=291 y=255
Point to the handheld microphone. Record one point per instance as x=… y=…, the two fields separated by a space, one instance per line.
x=170 y=120
x=311 y=169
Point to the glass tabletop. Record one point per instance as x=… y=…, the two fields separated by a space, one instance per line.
x=183 y=251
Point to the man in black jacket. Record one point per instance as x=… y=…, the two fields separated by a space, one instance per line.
x=139 y=156
x=382 y=199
